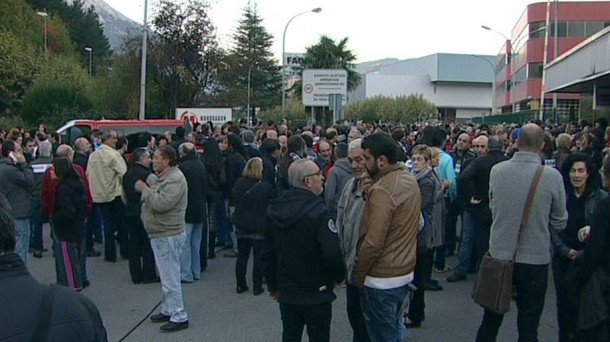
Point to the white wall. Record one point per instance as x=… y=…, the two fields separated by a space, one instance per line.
x=445 y=95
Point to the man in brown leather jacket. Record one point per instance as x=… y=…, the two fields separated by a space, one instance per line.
x=388 y=240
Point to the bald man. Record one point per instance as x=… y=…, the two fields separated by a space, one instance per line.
x=509 y=184
x=481 y=145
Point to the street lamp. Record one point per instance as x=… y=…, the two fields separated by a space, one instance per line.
x=249 y=85
x=45 y=15
x=88 y=49
x=315 y=10
x=143 y=65
x=493 y=83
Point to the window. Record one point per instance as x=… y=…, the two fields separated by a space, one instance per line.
x=576 y=29
x=562 y=29
x=520 y=75
x=592 y=27
x=534 y=70
x=536 y=29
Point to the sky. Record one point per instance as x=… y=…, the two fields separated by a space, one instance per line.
x=376 y=29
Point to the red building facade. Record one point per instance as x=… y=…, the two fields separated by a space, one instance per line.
x=519 y=65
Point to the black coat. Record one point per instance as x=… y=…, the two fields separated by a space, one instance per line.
x=81 y=159
x=269 y=163
x=249 y=209
x=196 y=179
x=301 y=250
x=136 y=172
x=474 y=181
x=235 y=166
x=70 y=210
x=73 y=317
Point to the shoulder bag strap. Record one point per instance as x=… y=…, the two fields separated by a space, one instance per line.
x=527 y=210
x=247 y=192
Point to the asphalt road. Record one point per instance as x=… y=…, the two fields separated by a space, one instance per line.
x=217 y=313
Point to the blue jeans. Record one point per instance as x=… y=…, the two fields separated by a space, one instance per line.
x=530 y=282
x=190 y=263
x=224 y=226
x=22 y=237
x=467 y=245
x=167 y=250
x=382 y=314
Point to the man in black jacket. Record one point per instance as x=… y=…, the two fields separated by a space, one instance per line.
x=475 y=179
x=32 y=311
x=196 y=230
x=270 y=149
x=301 y=254
x=141 y=258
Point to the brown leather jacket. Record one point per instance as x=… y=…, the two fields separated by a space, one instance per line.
x=388 y=239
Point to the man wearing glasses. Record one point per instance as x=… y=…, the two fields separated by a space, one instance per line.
x=301 y=255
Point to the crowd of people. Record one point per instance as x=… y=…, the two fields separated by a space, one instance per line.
x=371 y=207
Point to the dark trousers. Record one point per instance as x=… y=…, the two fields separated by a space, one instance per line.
x=355 y=315
x=530 y=282
x=316 y=317
x=244 y=246
x=482 y=240
x=598 y=333
x=112 y=215
x=421 y=275
x=453 y=211
x=439 y=260
x=223 y=235
x=94 y=227
x=36 y=221
x=565 y=310
x=141 y=257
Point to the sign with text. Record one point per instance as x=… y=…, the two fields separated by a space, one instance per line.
x=218 y=116
x=319 y=83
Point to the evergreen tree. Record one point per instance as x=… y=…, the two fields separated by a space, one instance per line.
x=250 y=55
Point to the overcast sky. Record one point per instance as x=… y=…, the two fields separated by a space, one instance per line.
x=376 y=29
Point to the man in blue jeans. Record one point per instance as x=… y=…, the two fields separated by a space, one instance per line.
x=509 y=185
x=386 y=249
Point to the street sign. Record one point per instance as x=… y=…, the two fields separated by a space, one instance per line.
x=318 y=84
x=292 y=63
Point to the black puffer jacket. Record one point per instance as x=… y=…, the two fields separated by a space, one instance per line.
x=73 y=317
x=251 y=198
x=70 y=210
x=301 y=251
x=196 y=179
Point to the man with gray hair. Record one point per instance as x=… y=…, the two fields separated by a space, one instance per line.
x=338 y=175
x=106 y=169
x=301 y=255
x=509 y=184
x=349 y=217
x=39 y=166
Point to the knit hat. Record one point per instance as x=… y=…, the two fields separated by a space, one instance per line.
x=515 y=133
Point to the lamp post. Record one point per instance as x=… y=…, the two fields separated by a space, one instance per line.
x=315 y=10
x=45 y=15
x=493 y=83
x=90 y=50
x=143 y=66
x=249 y=86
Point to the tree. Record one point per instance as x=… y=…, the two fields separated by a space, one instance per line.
x=251 y=54
x=328 y=54
x=183 y=52
x=401 y=109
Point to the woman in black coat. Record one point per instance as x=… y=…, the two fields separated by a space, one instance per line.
x=69 y=216
x=251 y=197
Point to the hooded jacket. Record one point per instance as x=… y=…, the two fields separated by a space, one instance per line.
x=340 y=173
x=301 y=250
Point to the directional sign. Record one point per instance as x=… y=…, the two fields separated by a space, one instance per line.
x=319 y=83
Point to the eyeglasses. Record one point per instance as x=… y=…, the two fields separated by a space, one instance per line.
x=319 y=173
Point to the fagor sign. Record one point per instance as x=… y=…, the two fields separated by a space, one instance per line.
x=319 y=83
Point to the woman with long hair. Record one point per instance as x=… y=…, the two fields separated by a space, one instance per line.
x=583 y=194
x=251 y=197
x=69 y=216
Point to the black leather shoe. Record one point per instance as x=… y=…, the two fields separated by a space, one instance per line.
x=455 y=277
x=158 y=318
x=173 y=326
x=258 y=291
x=432 y=287
x=242 y=289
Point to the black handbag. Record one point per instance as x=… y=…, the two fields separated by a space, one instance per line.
x=492 y=289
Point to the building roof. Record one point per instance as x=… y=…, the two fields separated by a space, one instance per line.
x=445 y=67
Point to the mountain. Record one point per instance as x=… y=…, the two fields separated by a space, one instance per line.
x=116 y=25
